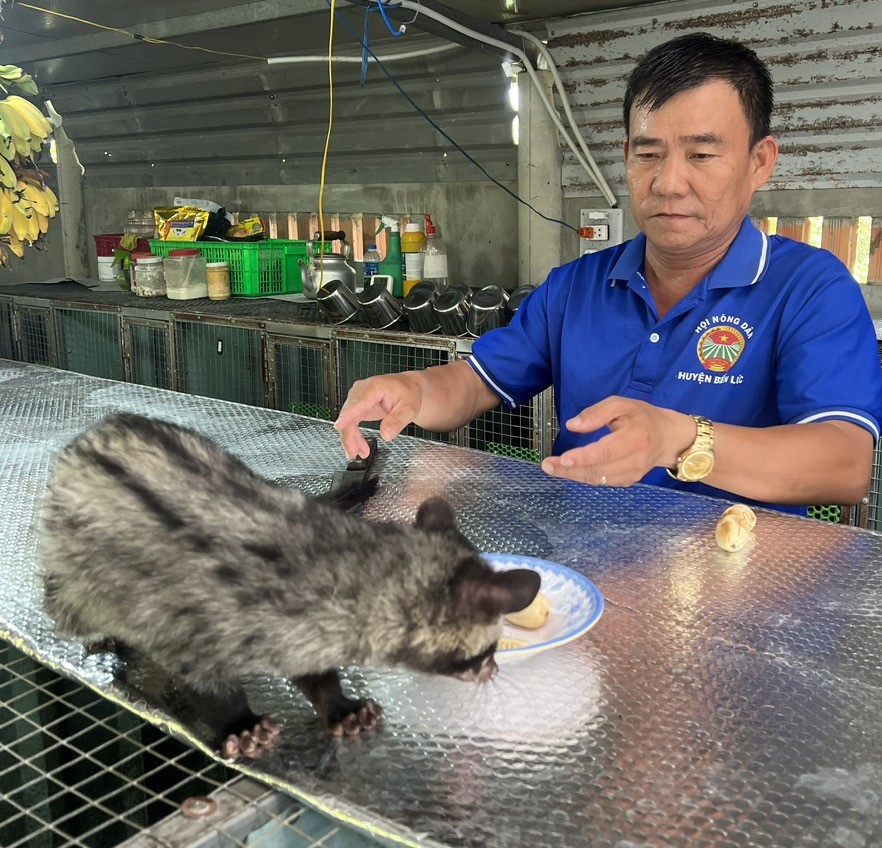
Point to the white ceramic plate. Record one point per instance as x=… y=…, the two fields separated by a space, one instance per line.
x=576 y=605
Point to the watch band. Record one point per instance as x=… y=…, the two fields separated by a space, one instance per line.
x=697 y=461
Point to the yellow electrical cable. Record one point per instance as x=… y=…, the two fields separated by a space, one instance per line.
x=327 y=142
x=139 y=37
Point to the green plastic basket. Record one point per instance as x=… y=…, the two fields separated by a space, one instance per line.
x=257 y=268
x=826 y=513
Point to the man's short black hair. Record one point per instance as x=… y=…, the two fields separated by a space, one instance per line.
x=692 y=60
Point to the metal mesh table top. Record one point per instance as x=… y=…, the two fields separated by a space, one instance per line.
x=722 y=699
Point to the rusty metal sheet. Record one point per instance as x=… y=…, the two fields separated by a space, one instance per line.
x=825 y=59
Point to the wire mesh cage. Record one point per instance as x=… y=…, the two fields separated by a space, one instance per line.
x=89 y=342
x=33 y=332
x=79 y=771
x=148 y=352
x=220 y=361
x=359 y=357
x=509 y=432
x=874 y=496
x=7 y=338
x=299 y=376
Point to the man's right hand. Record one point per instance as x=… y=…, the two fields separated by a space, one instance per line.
x=440 y=399
x=392 y=399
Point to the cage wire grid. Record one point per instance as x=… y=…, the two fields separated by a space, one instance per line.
x=220 y=361
x=34 y=335
x=80 y=771
x=89 y=342
x=147 y=353
x=7 y=338
x=299 y=376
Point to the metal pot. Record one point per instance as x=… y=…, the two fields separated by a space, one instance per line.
x=337 y=301
x=323 y=268
x=418 y=308
x=487 y=311
x=452 y=308
x=379 y=307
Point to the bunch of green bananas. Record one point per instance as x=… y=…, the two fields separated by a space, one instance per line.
x=26 y=202
x=13 y=76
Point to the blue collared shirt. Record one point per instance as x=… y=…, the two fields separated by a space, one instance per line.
x=777 y=333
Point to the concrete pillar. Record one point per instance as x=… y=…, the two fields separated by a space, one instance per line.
x=539 y=183
x=75 y=239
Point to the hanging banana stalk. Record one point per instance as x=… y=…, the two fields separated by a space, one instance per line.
x=26 y=202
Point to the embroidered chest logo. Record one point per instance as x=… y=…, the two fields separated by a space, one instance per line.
x=719 y=347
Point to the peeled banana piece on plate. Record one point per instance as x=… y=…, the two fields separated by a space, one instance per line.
x=532 y=616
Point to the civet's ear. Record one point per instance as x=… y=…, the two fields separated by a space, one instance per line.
x=436 y=515
x=480 y=593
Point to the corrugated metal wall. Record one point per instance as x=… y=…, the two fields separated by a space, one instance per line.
x=825 y=57
x=250 y=124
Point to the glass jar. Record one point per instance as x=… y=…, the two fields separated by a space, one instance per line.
x=148 y=278
x=140 y=224
x=185 y=274
x=218 y=277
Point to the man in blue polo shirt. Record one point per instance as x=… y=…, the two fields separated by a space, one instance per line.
x=701 y=355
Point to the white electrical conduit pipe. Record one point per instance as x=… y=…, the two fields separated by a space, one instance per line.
x=409 y=54
x=546 y=53
x=588 y=162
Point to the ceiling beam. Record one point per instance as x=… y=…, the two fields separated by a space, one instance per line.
x=234 y=16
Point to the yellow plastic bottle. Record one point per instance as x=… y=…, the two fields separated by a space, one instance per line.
x=412 y=241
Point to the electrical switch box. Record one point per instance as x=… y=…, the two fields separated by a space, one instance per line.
x=599 y=228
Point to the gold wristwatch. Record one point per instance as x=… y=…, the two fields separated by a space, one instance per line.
x=697 y=460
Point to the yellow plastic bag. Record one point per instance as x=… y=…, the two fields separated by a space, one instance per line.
x=180 y=223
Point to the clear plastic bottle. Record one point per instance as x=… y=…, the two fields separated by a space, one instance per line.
x=372 y=260
x=434 y=255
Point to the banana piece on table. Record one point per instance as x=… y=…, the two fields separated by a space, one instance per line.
x=532 y=616
x=733 y=529
x=743 y=513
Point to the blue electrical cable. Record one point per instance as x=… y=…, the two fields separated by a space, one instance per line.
x=395 y=32
x=416 y=106
x=364 y=44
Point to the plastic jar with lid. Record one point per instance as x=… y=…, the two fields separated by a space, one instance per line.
x=185 y=274
x=218 y=277
x=148 y=279
x=108 y=268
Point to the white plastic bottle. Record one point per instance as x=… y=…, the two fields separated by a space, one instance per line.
x=371 y=261
x=434 y=255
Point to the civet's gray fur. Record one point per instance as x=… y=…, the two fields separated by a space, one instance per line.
x=153 y=535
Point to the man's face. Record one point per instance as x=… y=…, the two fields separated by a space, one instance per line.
x=691 y=170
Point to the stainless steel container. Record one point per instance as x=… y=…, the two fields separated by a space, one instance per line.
x=487 y=311
x=452 y=309
x=418 y=308
x=379 y=308
x=337 y=301
x=426 y=285
x=516 y=298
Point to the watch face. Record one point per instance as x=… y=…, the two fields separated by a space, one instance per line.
x=697 y=465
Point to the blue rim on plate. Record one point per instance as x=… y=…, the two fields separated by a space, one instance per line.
x=576 y=604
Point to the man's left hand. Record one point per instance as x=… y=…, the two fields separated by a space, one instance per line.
x=642 y=437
